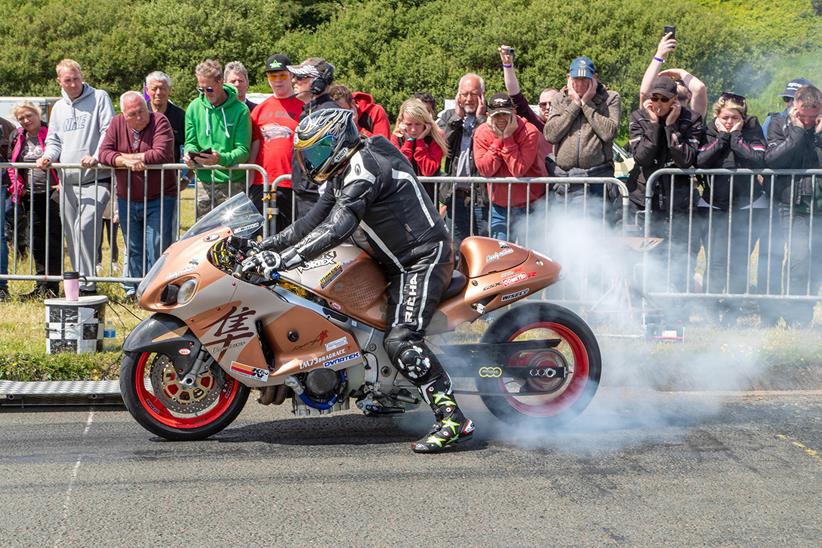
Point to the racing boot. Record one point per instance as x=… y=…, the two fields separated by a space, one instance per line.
x=451 y=426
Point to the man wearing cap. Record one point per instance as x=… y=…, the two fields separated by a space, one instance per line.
x=663 y=133
x=582 y=125
x=272 y=132
x=787 y=96
x=795 y=142
x=509 y=146
x=311 y=80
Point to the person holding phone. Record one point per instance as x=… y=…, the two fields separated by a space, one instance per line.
x=691 y=91
x=218 y=132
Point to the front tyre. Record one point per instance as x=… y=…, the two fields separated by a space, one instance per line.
x=545 y=401
x=162 y=405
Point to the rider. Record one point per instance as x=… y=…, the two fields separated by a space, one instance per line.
x=370 y=186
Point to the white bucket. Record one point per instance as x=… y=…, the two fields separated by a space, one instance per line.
x=75 y=326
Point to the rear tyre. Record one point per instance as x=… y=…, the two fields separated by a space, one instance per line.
x=547 y=402
x=158 y=401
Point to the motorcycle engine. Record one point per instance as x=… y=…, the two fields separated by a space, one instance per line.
x=321 y=383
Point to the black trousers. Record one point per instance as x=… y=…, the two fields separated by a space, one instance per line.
x=47 y=232
x=413 y=296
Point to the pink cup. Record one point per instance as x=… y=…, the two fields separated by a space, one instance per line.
x=71 y=285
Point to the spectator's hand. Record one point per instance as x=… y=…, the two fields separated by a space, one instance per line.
x=189 y=161
x=88 y=161
x=572 y=94
x=510 y=128
x=115 y=219
x=589 y=93
x=648 y=105
x=400 y=131
x=426 y=131
x=738 y=126
x=210 y=159
x=720 y=127
x=507 y=58
x=459 y=112
x=43 y=162
x=481 y=108
x=134 y=165
x=673 y=115
x=819 y=124
x=666 y=46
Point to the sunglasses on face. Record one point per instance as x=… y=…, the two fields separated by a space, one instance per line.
x=659 y=99
x=277 y=76
x=302 y=77
x=543 y=105
x=208 y=89
x=727 y=96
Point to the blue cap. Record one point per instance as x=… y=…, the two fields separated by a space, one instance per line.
x=582 y=67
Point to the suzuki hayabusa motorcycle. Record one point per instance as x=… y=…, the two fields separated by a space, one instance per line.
x=314 y=335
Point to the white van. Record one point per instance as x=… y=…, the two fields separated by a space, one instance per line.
x=7 y=106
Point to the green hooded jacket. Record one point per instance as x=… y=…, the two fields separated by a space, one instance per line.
x=225 y=129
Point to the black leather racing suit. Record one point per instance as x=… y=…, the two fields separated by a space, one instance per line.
x=378 y=194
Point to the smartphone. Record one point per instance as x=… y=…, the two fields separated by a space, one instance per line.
x=201 y=153
x=669 y=30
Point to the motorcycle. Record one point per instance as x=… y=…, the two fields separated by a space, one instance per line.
x=314 y=334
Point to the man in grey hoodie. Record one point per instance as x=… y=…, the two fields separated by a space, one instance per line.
x=76 y=128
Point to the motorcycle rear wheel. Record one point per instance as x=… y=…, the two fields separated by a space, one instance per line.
x=543 y=401
x=200 y=411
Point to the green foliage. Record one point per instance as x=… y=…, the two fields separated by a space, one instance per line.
x=392 y=48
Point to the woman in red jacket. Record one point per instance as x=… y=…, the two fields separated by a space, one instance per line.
x=508 y=146
x=420 y=140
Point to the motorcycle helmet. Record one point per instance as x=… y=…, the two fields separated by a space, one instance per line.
x=324 y=141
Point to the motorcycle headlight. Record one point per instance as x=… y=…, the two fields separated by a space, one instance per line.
x=186 y=291
x=150 y=275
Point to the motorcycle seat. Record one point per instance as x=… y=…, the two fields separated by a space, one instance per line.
x=458 y=282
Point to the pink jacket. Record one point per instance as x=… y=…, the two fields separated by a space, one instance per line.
x=18 y=183
x=520 y=155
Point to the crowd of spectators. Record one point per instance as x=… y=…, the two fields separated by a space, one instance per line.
x=488 y=135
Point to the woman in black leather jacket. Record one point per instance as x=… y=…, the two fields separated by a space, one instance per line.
x=731 y=205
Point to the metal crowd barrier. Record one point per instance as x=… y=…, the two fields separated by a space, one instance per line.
x=767 y=246
x=21 y=237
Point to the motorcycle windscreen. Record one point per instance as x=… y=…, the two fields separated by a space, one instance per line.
x=237 y=213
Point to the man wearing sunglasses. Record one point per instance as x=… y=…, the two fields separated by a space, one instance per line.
x=272 y=126
x=218 y=132
x=663 y=134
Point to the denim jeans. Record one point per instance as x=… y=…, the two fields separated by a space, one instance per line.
x=503 y=225
x=4 y=249
x=141 y=224
x=459 y=221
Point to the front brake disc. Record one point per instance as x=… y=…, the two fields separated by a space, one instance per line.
x=178 y=398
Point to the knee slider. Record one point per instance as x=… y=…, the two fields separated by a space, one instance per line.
x=413 y=361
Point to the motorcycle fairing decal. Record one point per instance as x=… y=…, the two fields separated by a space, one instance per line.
x=515 y=295
x=175 y=334
x=253 y=372
x=233 y=326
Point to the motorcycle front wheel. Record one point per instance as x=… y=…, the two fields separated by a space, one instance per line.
x=154 y=396
x=542 y=400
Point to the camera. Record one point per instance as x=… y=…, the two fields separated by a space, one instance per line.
x=508 y=50
x=669 y=30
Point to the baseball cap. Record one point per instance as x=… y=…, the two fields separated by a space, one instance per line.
x=312 y=66
x=278 y=61
x=500 y=103
x=582 y=67
x=664 y=86
x=792 y=86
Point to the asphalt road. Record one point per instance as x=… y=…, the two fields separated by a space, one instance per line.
x=638 y=468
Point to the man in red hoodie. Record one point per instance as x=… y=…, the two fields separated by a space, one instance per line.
x=370 y=117
x=508 y=146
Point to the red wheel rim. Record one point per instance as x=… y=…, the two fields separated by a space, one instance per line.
x=155 y=408
x=573 y=388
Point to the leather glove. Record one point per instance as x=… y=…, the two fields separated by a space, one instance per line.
x=265 y=262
